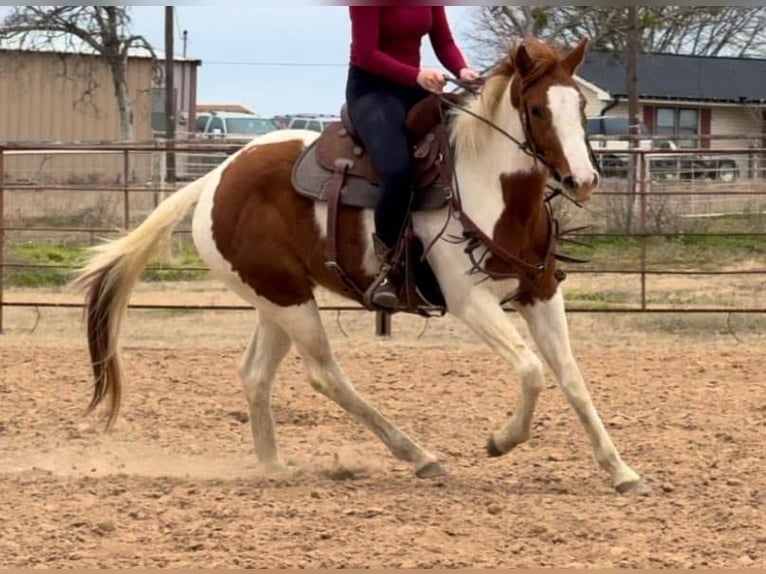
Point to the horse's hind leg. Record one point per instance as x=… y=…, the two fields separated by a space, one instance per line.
x=547 y=323
x=304 y=326
x=267 y=348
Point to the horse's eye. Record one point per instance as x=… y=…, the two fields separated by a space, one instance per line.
x=537 y=111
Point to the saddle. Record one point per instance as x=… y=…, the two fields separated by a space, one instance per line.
x=337 y=169
x=339 y=150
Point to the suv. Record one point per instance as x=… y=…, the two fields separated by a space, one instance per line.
x=233 y=125
x=313 y=122
x=610 y=132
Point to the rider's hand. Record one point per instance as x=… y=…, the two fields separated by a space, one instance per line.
x=469 y=75
x=431 y=80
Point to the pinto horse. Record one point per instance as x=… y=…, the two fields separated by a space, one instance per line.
x=266 y=242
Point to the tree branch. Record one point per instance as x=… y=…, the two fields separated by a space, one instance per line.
x=701 y=30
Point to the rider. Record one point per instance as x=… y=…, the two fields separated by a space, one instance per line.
x=384 y=81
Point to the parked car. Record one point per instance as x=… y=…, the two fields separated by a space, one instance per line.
x=610 y=133
x=233 y=125
x=221 y=127
x=313 y=122
x=695 y=166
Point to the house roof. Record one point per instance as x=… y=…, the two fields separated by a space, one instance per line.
x=675 y=77
x=72 y=45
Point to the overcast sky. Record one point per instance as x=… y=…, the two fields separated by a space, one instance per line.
x=233 y=42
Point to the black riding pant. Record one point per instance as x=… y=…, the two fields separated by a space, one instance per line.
x=378 y=109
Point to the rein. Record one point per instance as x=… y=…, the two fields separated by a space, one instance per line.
x=523 y=146
x=529 y=149
x=473 y=235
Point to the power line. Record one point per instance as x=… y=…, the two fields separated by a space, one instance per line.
x=177 y=23
x=285 y=64
x=277 y=64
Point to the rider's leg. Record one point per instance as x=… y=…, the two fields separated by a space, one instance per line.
x=378 y=119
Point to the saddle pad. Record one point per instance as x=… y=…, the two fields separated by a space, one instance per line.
x=311 y=180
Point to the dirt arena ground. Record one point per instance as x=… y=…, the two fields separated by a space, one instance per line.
x=176 y=483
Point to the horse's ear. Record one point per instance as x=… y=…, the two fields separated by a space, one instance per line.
x=574 y=58
x=521 y=60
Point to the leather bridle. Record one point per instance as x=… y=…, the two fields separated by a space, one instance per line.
x=473 y=236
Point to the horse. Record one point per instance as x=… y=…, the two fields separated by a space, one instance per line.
x=524 y=128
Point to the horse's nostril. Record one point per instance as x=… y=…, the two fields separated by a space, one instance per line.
x=569 y=182
x=596 y=180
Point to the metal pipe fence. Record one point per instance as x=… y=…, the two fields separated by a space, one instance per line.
x=635 y=199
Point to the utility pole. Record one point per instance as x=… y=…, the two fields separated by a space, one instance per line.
x=184 y=104
x=632 y=86
x=170 y=96
x=633 y=121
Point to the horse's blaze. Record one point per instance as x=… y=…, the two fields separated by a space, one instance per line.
x=268 y=233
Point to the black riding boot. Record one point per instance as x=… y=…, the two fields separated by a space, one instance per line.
x=383 y=293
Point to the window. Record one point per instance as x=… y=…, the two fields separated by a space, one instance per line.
x=616 y=126
x=612 y=126
x=216 y=123
x=315 y=126
x=682 y=122
x=158 y=109
x=201 y=122
x=250 y=126
x=299 y=124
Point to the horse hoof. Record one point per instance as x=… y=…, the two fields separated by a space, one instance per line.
x=492 y=448
x=430 y=470
x=275 y=469
x=635 y=487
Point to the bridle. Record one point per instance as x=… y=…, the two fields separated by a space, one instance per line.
x=473 y=236
x=529 y=146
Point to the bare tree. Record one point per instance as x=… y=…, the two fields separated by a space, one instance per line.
x=698 y=30
x=96 y=30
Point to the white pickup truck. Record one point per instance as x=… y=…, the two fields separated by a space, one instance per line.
x=611 y=133
x=233 y=125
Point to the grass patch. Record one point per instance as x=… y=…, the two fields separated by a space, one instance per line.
x=184 y=255
x=719 y=324
x=59 y=257
x=61 y=262
x=681 y=251
x=587 y=299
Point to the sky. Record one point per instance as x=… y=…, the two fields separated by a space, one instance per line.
x=235 y=41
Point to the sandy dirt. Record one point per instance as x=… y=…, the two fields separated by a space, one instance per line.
x=176 y=484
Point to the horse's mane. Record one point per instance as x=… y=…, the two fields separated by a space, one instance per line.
x=468 y=132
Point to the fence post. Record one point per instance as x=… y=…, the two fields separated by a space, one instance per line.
x=126 y=188
x=2 y=233
x=643 y=174
x=382 y=324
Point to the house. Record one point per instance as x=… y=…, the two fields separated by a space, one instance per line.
x=689 y=97
x=58 y=95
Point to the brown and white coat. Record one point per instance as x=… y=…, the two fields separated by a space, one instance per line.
x=267 y=243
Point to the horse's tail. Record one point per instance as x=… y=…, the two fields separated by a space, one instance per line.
x=109 y=278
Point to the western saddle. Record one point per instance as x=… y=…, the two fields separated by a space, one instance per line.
x=336 y=169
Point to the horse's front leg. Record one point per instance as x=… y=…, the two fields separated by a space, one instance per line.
x=547 y=323
x=481 y=311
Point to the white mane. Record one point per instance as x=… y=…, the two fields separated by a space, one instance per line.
x=469 y=135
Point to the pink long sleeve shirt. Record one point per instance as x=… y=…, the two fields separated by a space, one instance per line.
x=385 y=40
